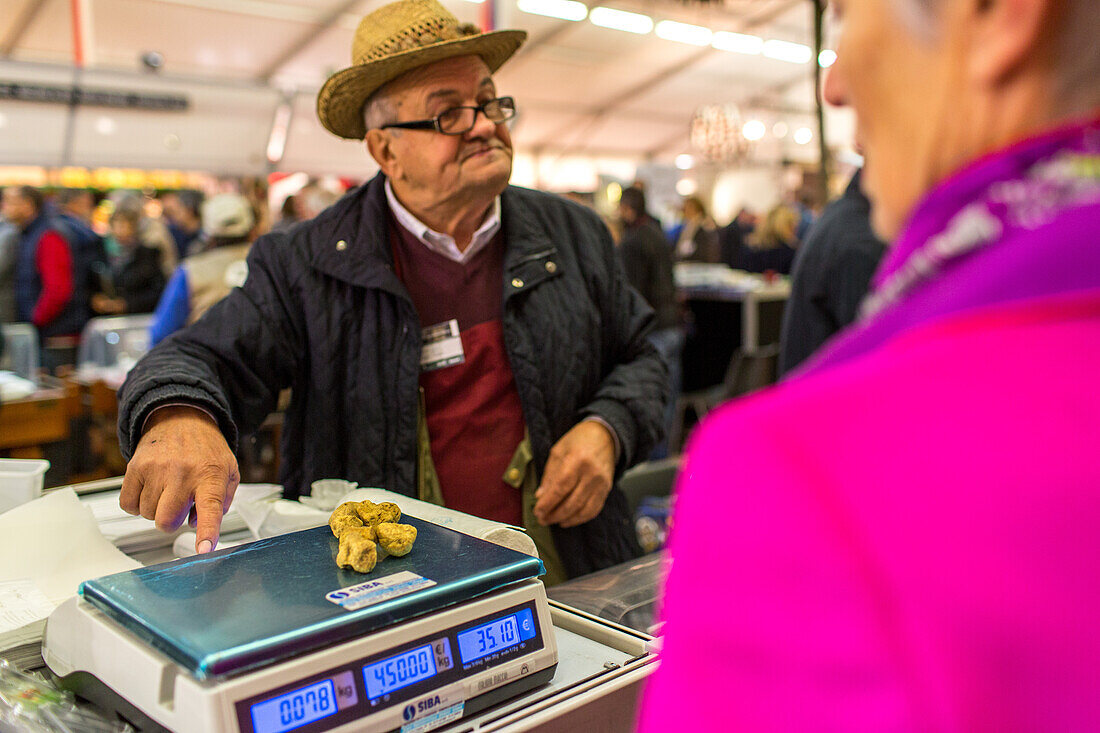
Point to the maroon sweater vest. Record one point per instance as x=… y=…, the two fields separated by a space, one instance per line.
x=475 y=419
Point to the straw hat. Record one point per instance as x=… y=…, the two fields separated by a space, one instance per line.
x=397 y=38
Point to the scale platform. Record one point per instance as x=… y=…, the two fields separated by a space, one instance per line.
x=272 y=636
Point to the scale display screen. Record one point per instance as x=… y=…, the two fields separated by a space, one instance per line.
x=295 y=708
x=399 y=671
x=501 y=633
x=446 y=660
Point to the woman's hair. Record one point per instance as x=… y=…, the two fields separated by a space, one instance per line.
x=1077 y=56
x=918 y=15
x=780 y=227
x=698 y=204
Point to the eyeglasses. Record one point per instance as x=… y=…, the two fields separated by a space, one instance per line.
x=460 y=120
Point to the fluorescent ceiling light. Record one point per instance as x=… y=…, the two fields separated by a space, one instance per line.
x=803 y=135
x=684 y=162
x=754 y=130
x=276 y=142
x=826 y=58
x=621 y=20
x=737 y=42
x=780 y=129
x=795 y=53
x=695 y=35
x=564 y=9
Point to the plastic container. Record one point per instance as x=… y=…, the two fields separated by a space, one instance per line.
x=20 y=481
x=110 y=346
x=20 y=350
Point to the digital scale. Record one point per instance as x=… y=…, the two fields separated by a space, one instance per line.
x=272 y=636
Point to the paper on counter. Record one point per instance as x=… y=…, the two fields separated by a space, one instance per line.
x=505 y=535
x=21 y=603
x=135 y=534
x=55 y=543
x=267 y=514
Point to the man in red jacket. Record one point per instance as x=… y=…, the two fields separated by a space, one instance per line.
x=47 y=292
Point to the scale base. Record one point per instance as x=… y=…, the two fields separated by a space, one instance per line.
x=108 y=665
x=88 y=688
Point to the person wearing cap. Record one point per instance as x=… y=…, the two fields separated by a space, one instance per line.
x=907 y=536
x=203 y=279
x=445 y=335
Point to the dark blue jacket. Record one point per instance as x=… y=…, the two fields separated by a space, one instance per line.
x=324 y=313
x=89 y=252
x=28 y=280
x=832 y=274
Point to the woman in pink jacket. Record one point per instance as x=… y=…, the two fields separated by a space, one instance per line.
x=905 y=536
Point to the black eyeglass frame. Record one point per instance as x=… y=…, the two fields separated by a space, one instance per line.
x=506 y=104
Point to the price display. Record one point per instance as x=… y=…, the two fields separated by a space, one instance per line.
x=399 y=671
x=295 y=709
x=480 y=641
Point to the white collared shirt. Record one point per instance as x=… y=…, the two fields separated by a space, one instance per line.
x=444 y=244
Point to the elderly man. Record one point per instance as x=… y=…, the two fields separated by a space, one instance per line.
x=445 y=336
x=915 y=545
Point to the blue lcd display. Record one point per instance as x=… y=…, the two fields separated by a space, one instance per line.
x=399 y=671
x=295 y=709
x=480 y=641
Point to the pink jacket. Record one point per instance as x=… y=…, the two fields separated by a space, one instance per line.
x=906 y=536
x=933 y=566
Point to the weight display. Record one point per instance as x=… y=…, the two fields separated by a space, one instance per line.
x=503 y=633
x=294 y=709
x=415 y=672
x=399 y=671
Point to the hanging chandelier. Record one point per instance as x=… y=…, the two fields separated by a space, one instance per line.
x=717 y=133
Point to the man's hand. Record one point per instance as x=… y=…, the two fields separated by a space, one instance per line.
x=182 y=464
x=578 y=476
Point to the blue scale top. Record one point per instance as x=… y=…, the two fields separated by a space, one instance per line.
x=244 y=607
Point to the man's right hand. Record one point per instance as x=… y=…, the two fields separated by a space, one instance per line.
x=181 y=464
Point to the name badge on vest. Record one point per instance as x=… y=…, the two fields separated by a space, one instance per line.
x=441 y=346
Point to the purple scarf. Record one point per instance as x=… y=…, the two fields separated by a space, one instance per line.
x=1021 y=223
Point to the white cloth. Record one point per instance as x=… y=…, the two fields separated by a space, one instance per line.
x=444 y=244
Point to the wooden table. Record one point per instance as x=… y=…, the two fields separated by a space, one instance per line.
x=40 y=418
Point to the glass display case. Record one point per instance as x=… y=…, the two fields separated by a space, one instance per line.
x=110 y=346
x=626 y=594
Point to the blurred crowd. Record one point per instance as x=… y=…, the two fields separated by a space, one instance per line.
x=750 y=241
x=69 y=255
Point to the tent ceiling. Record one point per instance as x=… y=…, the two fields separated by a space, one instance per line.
x=581 y=88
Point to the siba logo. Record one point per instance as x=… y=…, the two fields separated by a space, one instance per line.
x=420 y=707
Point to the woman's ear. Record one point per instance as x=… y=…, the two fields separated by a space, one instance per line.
x=1003 y=34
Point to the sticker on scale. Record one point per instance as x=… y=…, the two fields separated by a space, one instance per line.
x=431 y=712
x=440 y=346
x=366 y=594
